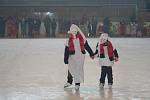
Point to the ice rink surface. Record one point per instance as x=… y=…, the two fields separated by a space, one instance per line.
x=33 y=69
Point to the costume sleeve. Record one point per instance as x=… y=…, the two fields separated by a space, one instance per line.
x=116 y=53
x=66 y=55
x=96 y=51
x=88 y=48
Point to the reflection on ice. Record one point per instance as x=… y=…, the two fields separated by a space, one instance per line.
x=72 y=94
x=33 y=69
x=58 y=93
x=106 y=94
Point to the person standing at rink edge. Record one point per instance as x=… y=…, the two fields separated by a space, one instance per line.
x=107 y=54
x=74 y=56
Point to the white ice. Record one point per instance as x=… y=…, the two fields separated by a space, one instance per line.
x=33 y=69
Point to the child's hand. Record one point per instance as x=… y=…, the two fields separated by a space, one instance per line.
x=92 y=57
x=116 y=59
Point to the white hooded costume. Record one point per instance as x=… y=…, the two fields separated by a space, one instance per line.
x=76 y=60
x=105 y=61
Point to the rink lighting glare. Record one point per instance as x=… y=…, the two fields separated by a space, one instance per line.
x=37 y=13
x=49 y=13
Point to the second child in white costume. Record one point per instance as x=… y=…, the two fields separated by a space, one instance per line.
x=107 y=54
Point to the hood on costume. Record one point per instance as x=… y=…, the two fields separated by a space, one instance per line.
x=74 y=29
x=103 y=38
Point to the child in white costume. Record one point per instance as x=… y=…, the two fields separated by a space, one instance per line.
x=74 y=56
x=107 y=54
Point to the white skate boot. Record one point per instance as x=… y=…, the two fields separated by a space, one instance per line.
x=67 y=85
x=101 y=85
x=110 y=86
x=77 y=87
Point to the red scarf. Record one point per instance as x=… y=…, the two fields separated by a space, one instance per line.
x=71 y=44
x=109 y=48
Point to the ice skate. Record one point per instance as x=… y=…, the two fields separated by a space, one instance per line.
x=77 y=87
x=101 y=85
x=67 y=85
x=110 y=86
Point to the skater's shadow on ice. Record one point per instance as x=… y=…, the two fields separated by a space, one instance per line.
x=71 y=94
x=106 y=94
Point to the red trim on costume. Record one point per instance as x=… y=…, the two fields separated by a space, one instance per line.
x=71 y=44
x=109 y=48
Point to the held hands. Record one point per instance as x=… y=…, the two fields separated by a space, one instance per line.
x=92 y=57
x=116 y=59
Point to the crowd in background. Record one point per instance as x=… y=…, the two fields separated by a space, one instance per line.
x=36 y=27
x=123 y=28
x=30 y=27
